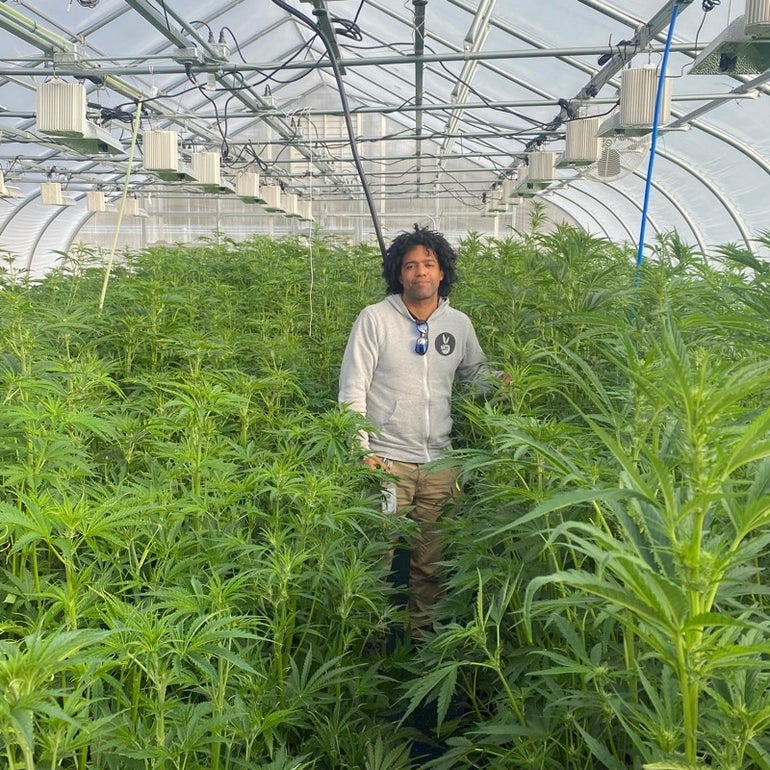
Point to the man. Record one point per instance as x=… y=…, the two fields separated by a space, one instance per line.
x=399 y=366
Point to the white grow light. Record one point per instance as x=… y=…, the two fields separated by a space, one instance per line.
x=306 y=211
x=207 y=170
x=161 y=156
x=290 y=204
x=757 y=19
x=582 y=143
x=8 y=191
x=538 y=174
x=133 y=209
x=61 y=113
x=247 y=187
x=541 y=165
x=638 y=95
x=272 y=195
x=51 y=195
x=523 y=186
x=496 y=204
x=95 y=201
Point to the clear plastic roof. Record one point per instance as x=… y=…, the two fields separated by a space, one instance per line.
x=454 y=106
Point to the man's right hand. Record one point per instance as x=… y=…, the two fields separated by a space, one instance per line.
x=376 y=462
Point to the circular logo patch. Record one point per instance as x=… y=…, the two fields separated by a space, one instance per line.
x=445 y=344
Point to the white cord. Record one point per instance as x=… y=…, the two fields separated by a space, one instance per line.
x=310 y=249
x=121 y=210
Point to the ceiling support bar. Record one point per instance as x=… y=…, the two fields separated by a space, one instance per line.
x=51 y=43
x=748 y=89
x=321 y=12
x=186 y=37
x=640 y=41
x=149 y=68
x=419 y=50
x=249 y=98
x=474 y=41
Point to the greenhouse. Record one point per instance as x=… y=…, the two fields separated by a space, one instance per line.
x=228 y=232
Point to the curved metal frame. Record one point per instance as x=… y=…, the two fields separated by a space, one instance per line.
x=181 y=34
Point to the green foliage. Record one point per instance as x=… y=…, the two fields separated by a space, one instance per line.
x=193 y=554
x=623 y=485
x=179 y=489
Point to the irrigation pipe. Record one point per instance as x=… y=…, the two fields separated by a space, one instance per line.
x=654 y=142
x=121 y=210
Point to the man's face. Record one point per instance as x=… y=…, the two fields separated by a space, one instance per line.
x=420 y=275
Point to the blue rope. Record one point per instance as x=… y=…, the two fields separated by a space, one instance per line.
x=654 y=143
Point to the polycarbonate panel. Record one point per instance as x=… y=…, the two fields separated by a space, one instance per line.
x=440 y=134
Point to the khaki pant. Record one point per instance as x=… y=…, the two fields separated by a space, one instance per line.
x=425 y=493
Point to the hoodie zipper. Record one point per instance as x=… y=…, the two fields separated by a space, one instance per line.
x=426 y=401
x=426 y=391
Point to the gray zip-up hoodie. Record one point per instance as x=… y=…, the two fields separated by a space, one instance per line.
x=405 y=396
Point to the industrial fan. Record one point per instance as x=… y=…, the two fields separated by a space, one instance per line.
x=620 y=155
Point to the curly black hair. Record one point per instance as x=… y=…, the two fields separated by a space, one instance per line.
x=435 y=242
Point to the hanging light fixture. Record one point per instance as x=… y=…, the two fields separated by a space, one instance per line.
x=638 y=97
x=7 y=191
x=523 y=186
x=741 y=49
x=290 y=205
x=51 y=194
x=306 y=211
x=541 y=165
x=133 y=209
x=272 y=195
x=161 y=156
x=207 y=169
x=495 y=202
x=247 y=187
x=757 y=19
x=582 y=143
x=61 y=114
x=95 y=201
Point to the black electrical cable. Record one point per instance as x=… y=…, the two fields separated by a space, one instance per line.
x=706 y=6
x=165 y=14
x=346 y=112
x=188 y=71
x=266 y=77
x=621 y=49
x=358 y=12
x=272 y=76
x=106 y=114
x=221 y=124
x=208 y=27
x=501 y=132
x=235 y=40
x=347 y=28
x=221 y=120
x=567 y=107
x=407 y=44
x=255 y=155
x=490 y=104
x=161 y=96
